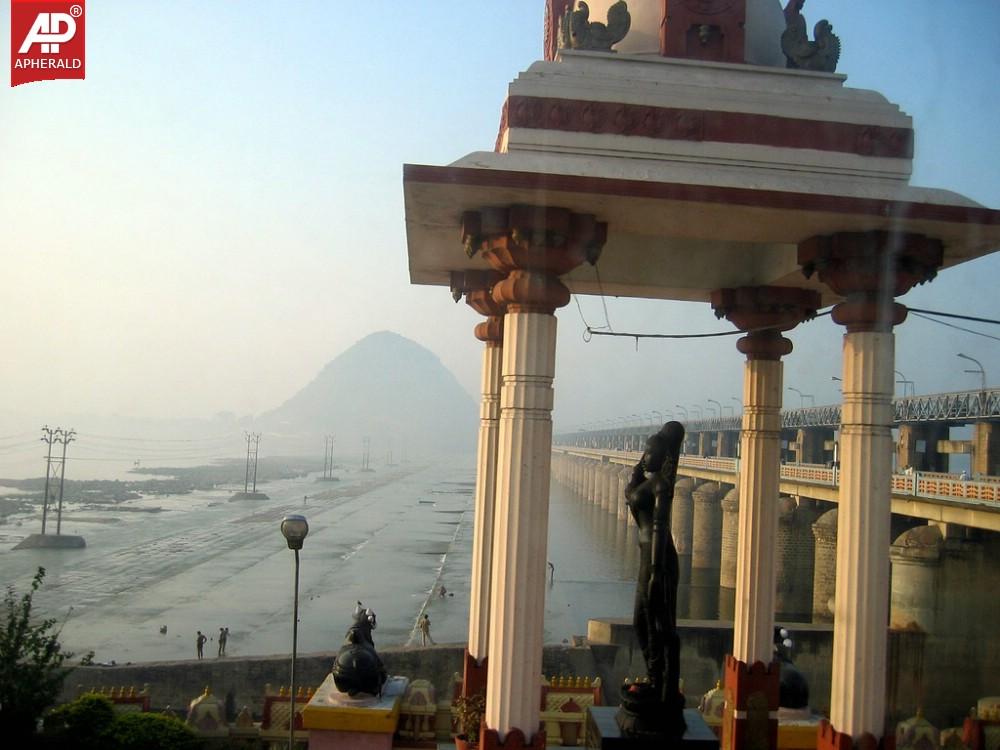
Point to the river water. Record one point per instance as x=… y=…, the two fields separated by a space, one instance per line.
x=391 y=539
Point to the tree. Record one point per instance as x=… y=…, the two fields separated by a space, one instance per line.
x=31 y=663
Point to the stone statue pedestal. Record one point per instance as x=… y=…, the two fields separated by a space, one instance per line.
x=337 y=721
x=603 y=733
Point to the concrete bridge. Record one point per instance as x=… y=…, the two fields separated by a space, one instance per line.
x=809 y=436
x=932 y=496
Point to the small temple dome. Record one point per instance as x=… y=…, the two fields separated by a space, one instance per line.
x=207 y=715
x=917 y=733
x=765 y=22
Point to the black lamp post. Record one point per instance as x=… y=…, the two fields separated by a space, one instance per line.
x=294 y=528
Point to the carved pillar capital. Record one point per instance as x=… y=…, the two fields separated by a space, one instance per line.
x=530 y=291
x=530 y=247
x=764 y=312
x=477 y=287
x=871 y=269
x=545 y=240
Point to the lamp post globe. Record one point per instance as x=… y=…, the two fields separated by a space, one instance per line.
x=294 y=528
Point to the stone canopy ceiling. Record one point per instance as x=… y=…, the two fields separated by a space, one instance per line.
x=708 y=174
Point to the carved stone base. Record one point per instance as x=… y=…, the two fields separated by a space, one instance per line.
x=643 y=715
x=604 y=733
x=830 y=739
x=474 y=675
x=750 y=717
x=489 y=739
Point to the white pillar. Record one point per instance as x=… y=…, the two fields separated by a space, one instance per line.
x=521 y=523
x=760 y=446
x=861 y=604
x=482 y=539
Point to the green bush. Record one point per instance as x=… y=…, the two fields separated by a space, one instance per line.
x=87 y=721
x=151 y=732
x=91 y=723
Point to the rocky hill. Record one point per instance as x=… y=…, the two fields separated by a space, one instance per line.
x=387 y=388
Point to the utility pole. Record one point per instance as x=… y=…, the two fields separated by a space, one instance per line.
x=256 y=450
x=68 y=437
x=367 y=442
x=48 y=436
x=328 y=457
x=246 y=475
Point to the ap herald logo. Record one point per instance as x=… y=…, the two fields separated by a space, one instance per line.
x=46 y=41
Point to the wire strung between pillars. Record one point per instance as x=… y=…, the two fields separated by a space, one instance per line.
x=591 y=332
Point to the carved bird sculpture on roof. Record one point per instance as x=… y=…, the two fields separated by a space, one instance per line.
x=821 y=54
x=580 y=33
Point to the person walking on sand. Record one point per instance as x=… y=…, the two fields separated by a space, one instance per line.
x=425 y=631
x=223 y=637
x=200 y=644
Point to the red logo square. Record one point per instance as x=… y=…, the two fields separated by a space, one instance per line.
x=47 y=40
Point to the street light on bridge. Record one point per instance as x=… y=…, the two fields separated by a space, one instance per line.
x=685 y=411
x=713 y=401
x=980 y=371
x=803 y=397
x=701 y=412
x=905 y=382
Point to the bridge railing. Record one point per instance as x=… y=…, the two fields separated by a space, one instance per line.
x=712 y=463
x=934 y=485
x=809 y=473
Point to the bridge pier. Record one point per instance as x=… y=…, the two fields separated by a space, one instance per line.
x=593 y=486
x=621 y=507
x=682 y=528
x=917 y=447
x=727 y=442
x=611 y=488
x=985 y=449
x=795 y=552
x=730 y=544
x=810 y=445
x=824 y=586
x=706 y=551
x=588 y=481
x=916 y=557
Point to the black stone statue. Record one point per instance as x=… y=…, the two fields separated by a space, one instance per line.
x=656 y=706
x=358 y=668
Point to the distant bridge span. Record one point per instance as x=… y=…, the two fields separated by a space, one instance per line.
x=957 y=408
x=932 y=496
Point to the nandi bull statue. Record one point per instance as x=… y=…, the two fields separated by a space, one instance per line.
x=358 y=668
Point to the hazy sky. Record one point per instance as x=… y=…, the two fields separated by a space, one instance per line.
x=216 y=211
